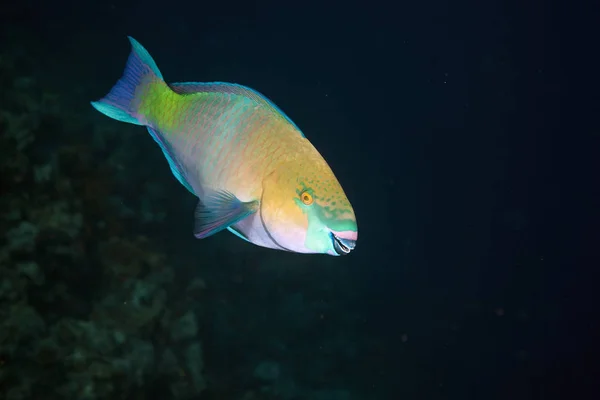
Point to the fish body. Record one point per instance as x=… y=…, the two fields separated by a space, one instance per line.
x=252 y=169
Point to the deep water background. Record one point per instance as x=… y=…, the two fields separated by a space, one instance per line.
x=447 y=123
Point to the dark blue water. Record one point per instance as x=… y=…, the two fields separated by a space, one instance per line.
x=451 y=127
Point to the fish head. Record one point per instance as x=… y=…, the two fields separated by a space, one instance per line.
x=305 y=210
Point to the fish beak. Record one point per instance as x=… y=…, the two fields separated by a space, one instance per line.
x=342 y=246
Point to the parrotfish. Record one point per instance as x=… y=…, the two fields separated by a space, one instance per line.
x=253 y=170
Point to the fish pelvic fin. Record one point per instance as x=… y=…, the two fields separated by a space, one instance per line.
x=133 y=96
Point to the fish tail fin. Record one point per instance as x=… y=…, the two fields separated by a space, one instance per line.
x=130 y=99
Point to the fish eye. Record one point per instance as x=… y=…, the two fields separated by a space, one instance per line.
x=306 y=198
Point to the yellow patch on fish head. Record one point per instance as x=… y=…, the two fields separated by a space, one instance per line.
x=304 y=209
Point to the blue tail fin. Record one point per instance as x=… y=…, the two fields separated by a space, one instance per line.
x=122 y=102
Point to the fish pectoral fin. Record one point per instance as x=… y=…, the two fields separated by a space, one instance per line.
x=218 y=211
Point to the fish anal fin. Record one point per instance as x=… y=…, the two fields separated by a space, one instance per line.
x=176 y=167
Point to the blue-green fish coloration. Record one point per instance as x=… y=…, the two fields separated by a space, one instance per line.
x=251 y=167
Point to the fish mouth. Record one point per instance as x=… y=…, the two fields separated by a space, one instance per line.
x=342 y=246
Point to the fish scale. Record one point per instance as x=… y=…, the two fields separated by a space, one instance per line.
x=219 y=130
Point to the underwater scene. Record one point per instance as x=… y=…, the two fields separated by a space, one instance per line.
x=183 y=183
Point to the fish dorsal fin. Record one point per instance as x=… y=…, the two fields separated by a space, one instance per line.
x=232 y=88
